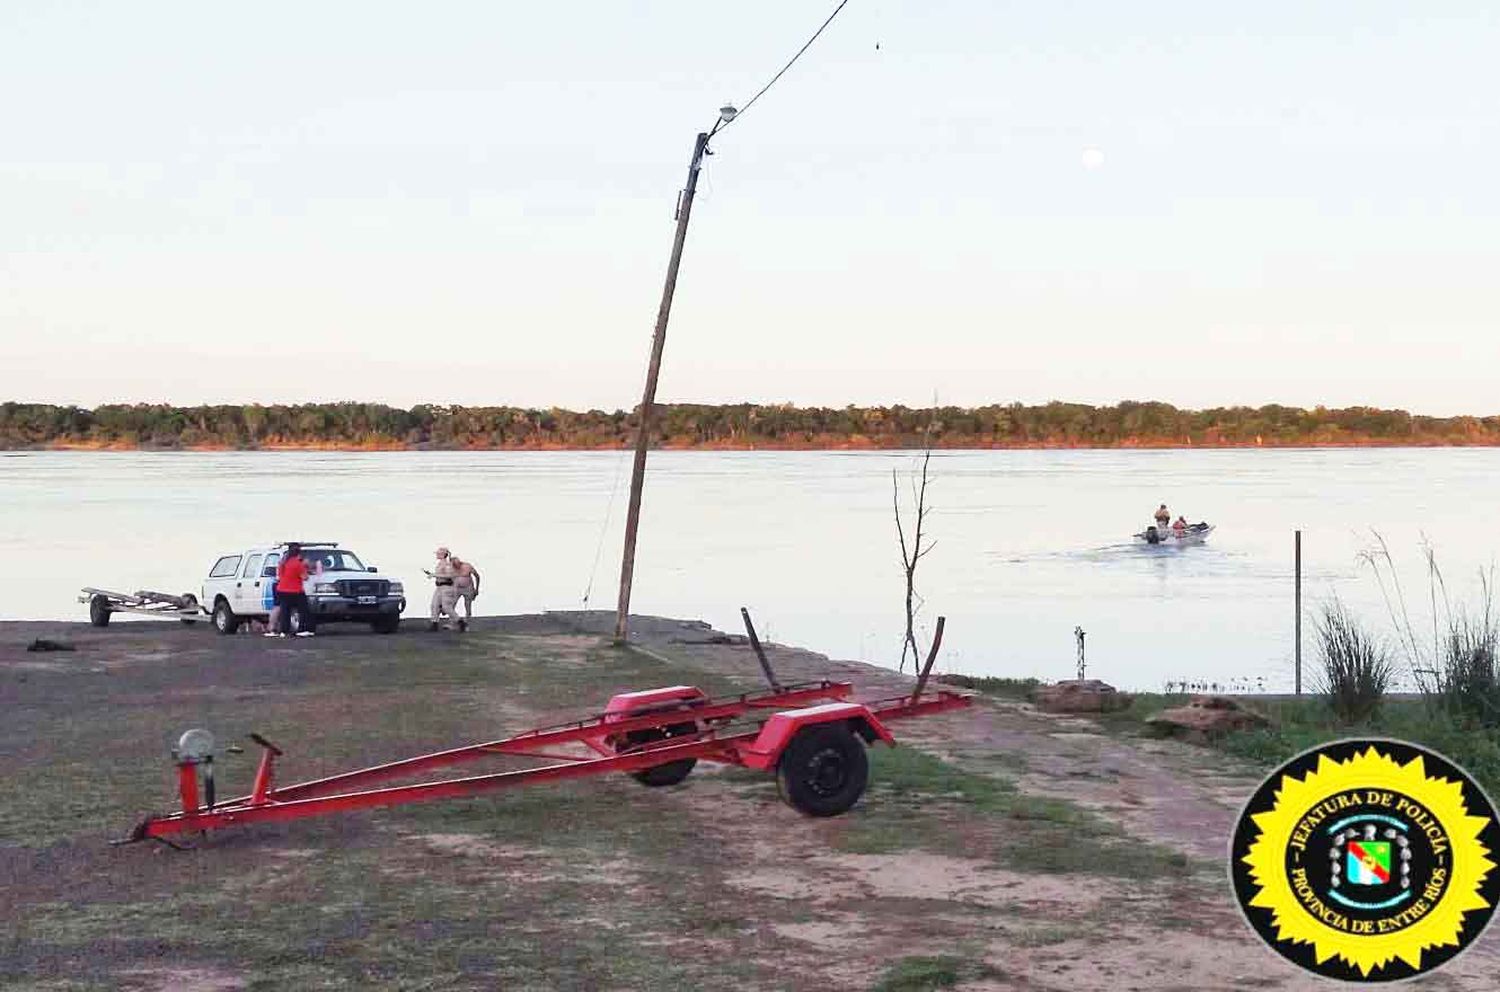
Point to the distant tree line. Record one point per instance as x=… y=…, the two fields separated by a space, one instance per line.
x=740 y=425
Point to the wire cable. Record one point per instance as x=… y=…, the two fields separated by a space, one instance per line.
x=614 y=490
x=723 y=123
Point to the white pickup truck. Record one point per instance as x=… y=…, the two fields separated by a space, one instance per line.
x=339 y=586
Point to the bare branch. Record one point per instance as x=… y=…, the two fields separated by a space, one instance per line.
x=900 y=532
x=920 y=545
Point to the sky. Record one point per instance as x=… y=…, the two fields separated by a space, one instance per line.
x=472 y=202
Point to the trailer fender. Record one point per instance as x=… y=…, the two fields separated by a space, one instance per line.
x=779 y=730
x=648 y=700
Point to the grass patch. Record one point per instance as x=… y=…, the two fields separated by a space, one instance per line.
x=921 y=973
x=990 y=685
x=344 y=707
x=904 y=774
x=919 y=801
x=1042 y=936
x=531 y=908
x=576 y=885
x=1131 y=720
x=1300 y=724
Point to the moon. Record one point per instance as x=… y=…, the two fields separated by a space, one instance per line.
x=1092 y=158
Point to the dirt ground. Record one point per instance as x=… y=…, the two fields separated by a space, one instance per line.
x=997 y=847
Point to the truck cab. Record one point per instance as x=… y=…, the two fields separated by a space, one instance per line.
x=241 y=587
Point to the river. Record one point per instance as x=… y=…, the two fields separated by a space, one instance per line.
x=1029 y=545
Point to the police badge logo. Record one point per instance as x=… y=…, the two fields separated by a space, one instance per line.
x=1367 y=860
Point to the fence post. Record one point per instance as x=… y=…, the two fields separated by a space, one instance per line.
x=1297 y=636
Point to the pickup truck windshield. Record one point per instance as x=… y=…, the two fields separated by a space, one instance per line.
x=332 y=560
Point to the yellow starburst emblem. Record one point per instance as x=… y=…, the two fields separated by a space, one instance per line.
x=1367 y=860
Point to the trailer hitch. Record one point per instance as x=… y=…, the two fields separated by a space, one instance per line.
x=139 y=834
x=194 y=757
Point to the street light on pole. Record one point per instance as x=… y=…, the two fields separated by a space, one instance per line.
x=727 y=113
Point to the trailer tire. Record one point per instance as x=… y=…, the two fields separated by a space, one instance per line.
x=225 y=622
x=672 y=772
x=386 y=623
x=190 y=602
x=99 y=611
x=823 y=770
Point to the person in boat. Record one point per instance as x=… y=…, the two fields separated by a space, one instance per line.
x=1162 y=517
x=1179 y=527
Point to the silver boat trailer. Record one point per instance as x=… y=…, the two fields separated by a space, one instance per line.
x=102 y=603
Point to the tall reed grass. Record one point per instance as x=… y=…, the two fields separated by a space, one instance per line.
x=1356 y=665
x=1456 y=668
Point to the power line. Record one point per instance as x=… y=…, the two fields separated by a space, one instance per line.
x=723 y=123
x=604 y=528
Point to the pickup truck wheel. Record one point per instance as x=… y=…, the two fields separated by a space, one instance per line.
x=823 y=770
x=387 y=623
x=99 y=611
x=673 y=771
x=189 y=602
x=224 y=620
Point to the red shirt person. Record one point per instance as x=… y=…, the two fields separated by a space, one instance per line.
x=292 y=574
x=291 y=593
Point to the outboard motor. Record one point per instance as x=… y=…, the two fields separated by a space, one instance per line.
x=1152 y=536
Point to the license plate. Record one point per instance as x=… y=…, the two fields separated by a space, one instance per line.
x=366 y=600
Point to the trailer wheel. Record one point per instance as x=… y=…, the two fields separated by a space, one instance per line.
x=673 y=771
x=189 y=602
x=386 y=623
x=225 y=622
x=99 y=611
x=823 y=771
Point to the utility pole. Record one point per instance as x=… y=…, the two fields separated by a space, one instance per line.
x=727 y=114
x=658 y=341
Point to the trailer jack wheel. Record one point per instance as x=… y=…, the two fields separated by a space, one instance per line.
x=823 y=771
x=673 y=771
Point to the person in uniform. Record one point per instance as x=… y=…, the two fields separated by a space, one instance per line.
x=466 y=582
x=444 y=593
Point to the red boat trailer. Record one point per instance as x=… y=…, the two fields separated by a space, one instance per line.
x=811 y=735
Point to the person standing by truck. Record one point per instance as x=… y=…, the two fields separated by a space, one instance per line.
x=466 y=582
x=444 y=592
x=291 y=593
x=274 y=616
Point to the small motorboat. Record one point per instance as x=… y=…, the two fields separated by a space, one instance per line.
x=1191 y=534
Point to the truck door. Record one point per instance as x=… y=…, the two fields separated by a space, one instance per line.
x=247 y=587
x=268 y=582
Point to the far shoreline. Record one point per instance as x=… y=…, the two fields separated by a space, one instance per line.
x=1054 y=426
x=860 y=444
